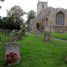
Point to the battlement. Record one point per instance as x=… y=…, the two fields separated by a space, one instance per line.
x=41 y=5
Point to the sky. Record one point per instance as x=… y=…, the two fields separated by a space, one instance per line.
x=28 y=5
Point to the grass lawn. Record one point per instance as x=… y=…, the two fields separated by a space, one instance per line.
x=37 y=53
x=60 y=35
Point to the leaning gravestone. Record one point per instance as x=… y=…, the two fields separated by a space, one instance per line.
x=12 y=53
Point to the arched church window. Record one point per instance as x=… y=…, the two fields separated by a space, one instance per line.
x=60 y=18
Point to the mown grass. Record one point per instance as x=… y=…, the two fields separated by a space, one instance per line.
x=60 y=35
x=37 y=53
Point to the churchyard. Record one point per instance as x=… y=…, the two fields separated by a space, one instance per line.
x=35 y=52
x=39 y=41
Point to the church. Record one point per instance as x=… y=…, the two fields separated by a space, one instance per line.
x=51 y=18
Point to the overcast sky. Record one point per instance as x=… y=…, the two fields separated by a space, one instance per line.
x=28 y=5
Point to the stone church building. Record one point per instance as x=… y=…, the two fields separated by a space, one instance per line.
x=49 y=18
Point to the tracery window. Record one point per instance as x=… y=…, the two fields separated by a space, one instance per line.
x=60 y=18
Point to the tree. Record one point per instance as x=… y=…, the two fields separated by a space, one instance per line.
x=8 y=23
x=16 y=12
x=14 y=18
x=0 y=16
x=31 y=15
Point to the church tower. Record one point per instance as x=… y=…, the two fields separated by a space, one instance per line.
x=41 y=5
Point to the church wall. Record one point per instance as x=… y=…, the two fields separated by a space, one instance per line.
x=51 y=19
x=59 y=28
x=65 y=19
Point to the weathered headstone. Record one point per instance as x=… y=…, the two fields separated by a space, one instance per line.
x=11 y=38
x=18 y=35
x=22 y=29
x=46 y=36
x=13 y=47
x=23 y=32
x=38 y=34
x=13 y=31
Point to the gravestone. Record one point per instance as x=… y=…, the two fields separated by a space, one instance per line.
x=46 y=36
x=23 y=32
x=37 y=34
x=13 y=31
x=11 y=38
x=18 y=35
x=12 y=47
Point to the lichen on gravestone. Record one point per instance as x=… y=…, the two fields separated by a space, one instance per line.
x=47 y=36
x=12 y=47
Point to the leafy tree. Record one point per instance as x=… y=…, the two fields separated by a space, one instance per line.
x=31 y=15
x=8 y=23
x=16 y=12
x=14 y=18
